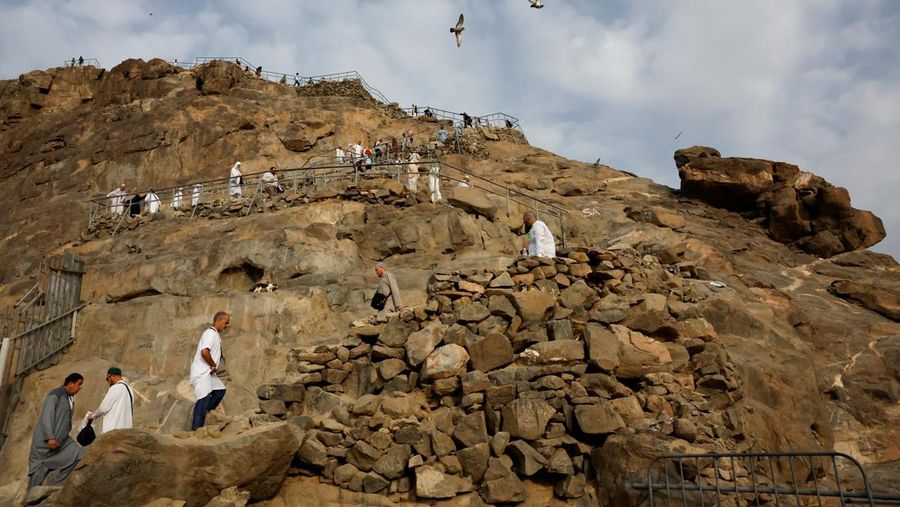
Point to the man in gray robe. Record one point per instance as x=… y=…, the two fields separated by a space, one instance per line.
x=52 y=449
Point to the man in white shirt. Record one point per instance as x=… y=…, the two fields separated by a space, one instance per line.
x=208 y=389
x=152 y=202
x=339 y=154
x=540 y=239
x=117 y=407
x=270 y=182
x=117 y=200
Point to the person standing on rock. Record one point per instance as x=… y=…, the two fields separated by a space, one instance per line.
x=117 y=407
x=208 y=388
x=442 y=134
x=540 y=239
x=52 y=449
x=434 y=182
x=117 y=200
x=151 y=200
x=235 y=179
x=412 y=173
x=339 y=154
x=387 y=286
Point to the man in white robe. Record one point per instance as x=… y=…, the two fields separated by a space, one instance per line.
x=52 y=448
x=208 y=388
x=339 y=154
x=176 y=198
x=540 y=239
x=412 y=173
x=117 y=407
x=434 y=183
x=234 y=180
x=464 y=183
x=152 y=202
x=117 y=200
x=195 y=195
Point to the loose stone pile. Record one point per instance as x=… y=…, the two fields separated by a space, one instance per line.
x=510 y=374
x=352 y=88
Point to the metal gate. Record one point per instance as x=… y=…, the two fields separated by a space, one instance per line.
x=38 y=327
x=760 y=478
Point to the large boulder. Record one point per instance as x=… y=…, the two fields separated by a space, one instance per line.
x=472 y=200
x=796 y=207
x=192 y=469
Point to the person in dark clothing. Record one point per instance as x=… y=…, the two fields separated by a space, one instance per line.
x=134 y=205
x=467 y=120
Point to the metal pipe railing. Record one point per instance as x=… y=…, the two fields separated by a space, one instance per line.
x=310 y=171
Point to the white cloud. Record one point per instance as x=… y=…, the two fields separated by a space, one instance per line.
x=811 y=81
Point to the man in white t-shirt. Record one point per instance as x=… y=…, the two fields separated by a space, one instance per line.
x=540 y=239
x=208 y=389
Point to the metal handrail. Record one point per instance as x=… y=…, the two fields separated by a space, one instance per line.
x=295 y=175
x=87 y=62
x=491 y=120
x=681 y=485
x=289 y=79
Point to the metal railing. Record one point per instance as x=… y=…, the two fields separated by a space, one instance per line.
x=322 y=169
x=294 y=79
x=487 y=120
x=86 y=62
x=757 y=478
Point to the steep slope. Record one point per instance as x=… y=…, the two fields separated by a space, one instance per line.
x=819 y=367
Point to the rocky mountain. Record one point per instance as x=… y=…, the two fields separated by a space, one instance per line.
x=740 y=312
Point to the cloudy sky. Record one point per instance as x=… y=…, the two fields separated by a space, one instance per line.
x=813 y=82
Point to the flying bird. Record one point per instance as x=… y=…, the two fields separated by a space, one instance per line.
x=679 y=134
x=536 y=4
x=458 y=30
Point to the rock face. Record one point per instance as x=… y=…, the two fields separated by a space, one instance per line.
x=665 y=325
x=796 y=207
x=192 y=470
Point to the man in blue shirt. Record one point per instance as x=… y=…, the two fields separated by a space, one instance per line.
x=442 y=134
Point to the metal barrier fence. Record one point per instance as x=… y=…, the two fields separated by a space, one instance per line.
x=320 y=170
x=760 y=478
x=295 y=79
x=489 y=120
x=84 y=63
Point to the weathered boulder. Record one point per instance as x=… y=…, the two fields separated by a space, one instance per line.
x=472 y=200
x=598 y=419
x=421 y=343
x=685 y=155
x=432 y=483
x=144 y=464
x=639 y=354
x=445 y=362
x=797 y=207
x=491 y=352
x=527 y=418
x=534 y=305
x=556 y=351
